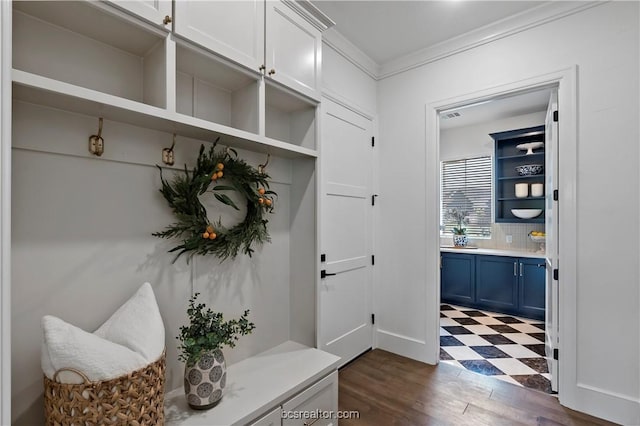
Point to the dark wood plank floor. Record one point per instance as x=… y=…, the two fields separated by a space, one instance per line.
x=388 y=389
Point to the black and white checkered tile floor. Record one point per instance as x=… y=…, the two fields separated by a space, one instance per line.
x=498 y=345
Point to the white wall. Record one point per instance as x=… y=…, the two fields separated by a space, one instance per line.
x=82 y=244
x=604 y=43
x=474 y=141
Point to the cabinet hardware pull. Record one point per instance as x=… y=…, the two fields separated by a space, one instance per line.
x=521 y=268
x=272 y=71
x=167 y=20
x=262 y=67
x=541 y=265
x=515 y=269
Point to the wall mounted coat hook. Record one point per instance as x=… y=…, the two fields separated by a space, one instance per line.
x=96 y=143
x=168 y=157
x=261 y=167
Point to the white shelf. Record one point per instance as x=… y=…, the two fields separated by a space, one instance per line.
x=256 y=385
x=40 y=90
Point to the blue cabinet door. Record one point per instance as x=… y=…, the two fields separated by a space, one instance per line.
x=497 y=283
x=531 y=283
x=457 y=279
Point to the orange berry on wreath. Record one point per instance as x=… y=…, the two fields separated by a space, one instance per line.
x=210 y=229
x=213 y=236
x=205 y=235
x=267 y=202
x=261 y=191
x=220 y=175
x=219 y=166
x=260 y=200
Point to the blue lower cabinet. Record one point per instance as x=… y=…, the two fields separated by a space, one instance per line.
x=457 y=279
x=531 y=288
x=497 y=283
x=509 y=285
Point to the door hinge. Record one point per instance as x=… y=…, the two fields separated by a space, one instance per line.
x=373 y=199
x=373 y=141
x=555 y=115
x=555 y=354
x=373 y=318
x=555 y=195
x=323 y=257
x=555 y=274
x=373 y=259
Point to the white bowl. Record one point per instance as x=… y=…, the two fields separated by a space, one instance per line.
x=526 y=213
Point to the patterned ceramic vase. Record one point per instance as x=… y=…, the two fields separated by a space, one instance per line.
x=205 y=380
x=460 y=240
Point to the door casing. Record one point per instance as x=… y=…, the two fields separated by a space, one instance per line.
x=565 y=81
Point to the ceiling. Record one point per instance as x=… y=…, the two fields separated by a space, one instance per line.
x=386 y=30
x=496 y=109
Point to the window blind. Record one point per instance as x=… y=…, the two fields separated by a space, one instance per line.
x=466 y=190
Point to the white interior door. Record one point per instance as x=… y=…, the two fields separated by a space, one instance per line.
x=345 y=326
x=551 y=229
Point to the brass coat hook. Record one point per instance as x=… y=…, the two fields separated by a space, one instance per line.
x=168 y=156
x=261 y=167
x=96 y=143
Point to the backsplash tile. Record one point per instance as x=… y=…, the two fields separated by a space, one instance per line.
x=498 y=240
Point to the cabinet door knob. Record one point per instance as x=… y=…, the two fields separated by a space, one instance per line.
x=262 y=67
x=272 y=71
x=167 y=20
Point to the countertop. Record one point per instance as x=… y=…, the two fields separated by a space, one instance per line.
x=493 y=252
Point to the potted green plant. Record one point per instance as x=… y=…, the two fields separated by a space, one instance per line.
x=205 y=372
x=459 y=232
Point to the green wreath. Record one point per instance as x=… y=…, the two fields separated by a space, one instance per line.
x=200 y=235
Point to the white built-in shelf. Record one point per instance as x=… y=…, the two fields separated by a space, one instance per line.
x=45 y=91
x=256 y=385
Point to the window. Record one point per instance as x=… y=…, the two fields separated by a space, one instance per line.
x=466 y=192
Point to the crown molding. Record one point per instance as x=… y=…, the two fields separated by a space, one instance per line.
x=523 y=21
x=515 y=24
x=350 y=52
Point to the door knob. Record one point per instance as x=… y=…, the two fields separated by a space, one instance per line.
x=167 y=20
x=323 y=274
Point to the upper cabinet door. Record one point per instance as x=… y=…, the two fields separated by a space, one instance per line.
x=233 y=29
x=154 y=11
x=293 y=50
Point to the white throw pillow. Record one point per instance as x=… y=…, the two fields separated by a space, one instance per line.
x=129 y=340
x=67 y=346
x=137 y=325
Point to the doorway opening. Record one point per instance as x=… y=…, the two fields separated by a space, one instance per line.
x=498 y=237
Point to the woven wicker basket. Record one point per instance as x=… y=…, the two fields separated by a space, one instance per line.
x=133 y=399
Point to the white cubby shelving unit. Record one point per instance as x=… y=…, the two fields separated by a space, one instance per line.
x=99 y=60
